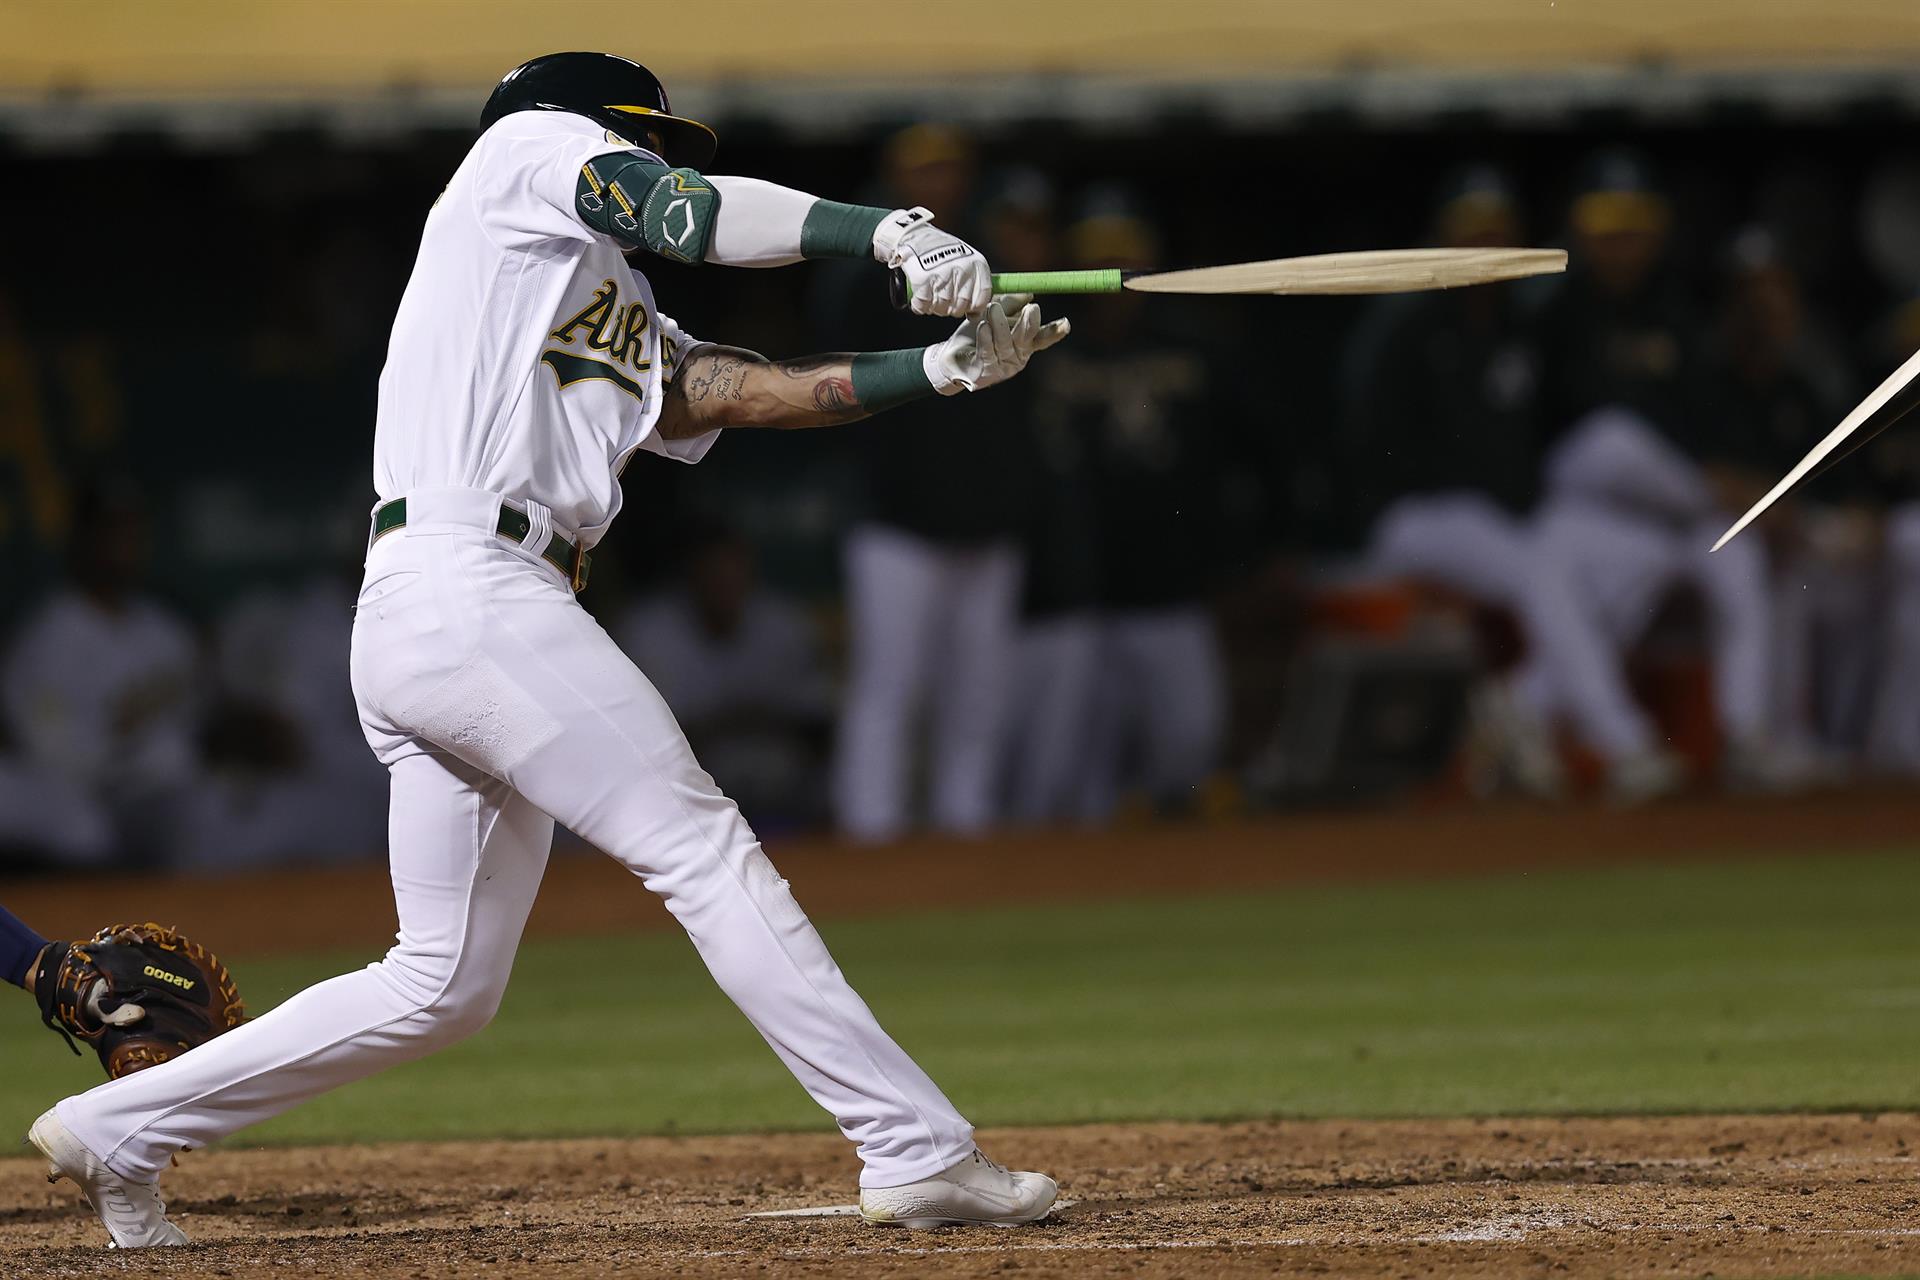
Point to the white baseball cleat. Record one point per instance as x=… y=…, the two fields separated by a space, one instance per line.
x=132 y=1211
x=975 y=1192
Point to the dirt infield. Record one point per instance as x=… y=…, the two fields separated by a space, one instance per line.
x=1757 y=1196
x=352 y=906
x=1751 y=1196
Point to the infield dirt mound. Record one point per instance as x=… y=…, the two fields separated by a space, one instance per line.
x=1744 y=1195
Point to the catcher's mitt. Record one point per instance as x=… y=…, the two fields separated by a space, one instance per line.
x=139 y=994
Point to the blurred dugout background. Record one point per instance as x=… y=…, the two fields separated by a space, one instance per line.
x=1208 y=557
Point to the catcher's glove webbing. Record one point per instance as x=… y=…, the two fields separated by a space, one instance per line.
x=139 y=994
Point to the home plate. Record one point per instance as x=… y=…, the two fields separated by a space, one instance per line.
x=853 y=1211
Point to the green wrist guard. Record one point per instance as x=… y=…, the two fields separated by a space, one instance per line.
x=834 y=230
x=886 y=379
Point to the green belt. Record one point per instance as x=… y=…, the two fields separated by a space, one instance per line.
x=512 y=525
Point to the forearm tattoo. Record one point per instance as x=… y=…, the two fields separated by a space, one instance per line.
x=735 y=387
x=830 y=386
x=835 y=396
x=718 y=377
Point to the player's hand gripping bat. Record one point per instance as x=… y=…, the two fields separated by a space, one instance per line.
x=1891 y=401
x=1372 y=271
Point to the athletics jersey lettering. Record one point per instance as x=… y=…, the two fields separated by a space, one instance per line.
x=621 y=332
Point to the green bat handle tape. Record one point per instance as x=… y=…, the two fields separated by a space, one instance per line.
x=1108 y=281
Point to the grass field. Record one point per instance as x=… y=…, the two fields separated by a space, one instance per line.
x=1781 y=985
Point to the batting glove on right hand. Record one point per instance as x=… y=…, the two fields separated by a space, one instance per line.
x=991 y=347
x=946 y=276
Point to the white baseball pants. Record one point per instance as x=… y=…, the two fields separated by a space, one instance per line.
x=1464 y=541
x=499 y=706
x=1159 y=710
x=1051 y=718
x=933 y=628
x=1832 y=600
x=1628 y=518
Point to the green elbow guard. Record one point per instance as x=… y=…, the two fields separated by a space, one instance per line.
x=645 y=205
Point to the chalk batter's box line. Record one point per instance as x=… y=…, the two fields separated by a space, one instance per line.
x=1283 y=1242
x=853 y=1211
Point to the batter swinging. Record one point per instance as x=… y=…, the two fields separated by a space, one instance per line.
x=528 y=362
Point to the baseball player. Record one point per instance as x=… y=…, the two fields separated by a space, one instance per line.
x=528 y=364
x=1629 y=507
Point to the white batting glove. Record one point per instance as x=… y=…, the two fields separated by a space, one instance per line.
x=945 y=275
x=993 y=346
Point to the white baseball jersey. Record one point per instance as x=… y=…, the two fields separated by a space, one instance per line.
x=527 y=359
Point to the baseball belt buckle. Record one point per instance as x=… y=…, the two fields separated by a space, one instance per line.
x=581 y=561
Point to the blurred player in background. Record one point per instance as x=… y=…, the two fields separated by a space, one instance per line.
x=1630 y=510
x=1443 y=428
x=100 y=696
x=1122 y=690
x=1770 y=389
x=740 y=666
x=1057 y=651
x=933 y=572
x=1893 y=728
x=287 y=774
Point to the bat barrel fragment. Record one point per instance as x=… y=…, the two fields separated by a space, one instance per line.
x=1891 y=401
x=1371 y=271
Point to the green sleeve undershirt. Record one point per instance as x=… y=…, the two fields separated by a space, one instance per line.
x=887 y=379
x=835 y=230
